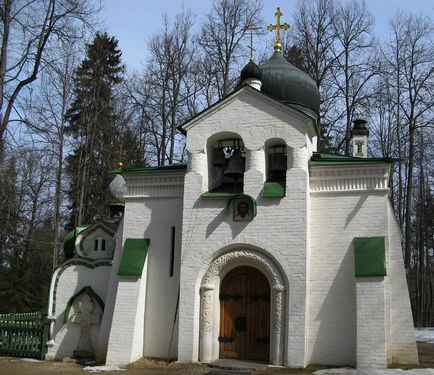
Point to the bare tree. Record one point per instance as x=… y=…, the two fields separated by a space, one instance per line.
x=170 y=79
x=28 y=28
x=315 y=36
x=355 y=64
x=411 y=61
x=220 y=37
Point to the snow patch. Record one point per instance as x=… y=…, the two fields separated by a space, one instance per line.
x=30 y=360
x=351 y=371
x=102 y=368
x=425 y=335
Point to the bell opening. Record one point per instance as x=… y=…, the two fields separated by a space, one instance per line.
x=277 y=162
x=227 y=165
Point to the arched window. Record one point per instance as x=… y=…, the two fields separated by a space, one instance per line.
x=103 y=244
x=226 y=164
x=95 y=244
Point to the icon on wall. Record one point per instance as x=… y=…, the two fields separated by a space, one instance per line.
x=242 y=209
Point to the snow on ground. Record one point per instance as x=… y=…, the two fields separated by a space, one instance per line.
x=351 y=371
x=104 y=368
x=425 y=335
x=422 y=335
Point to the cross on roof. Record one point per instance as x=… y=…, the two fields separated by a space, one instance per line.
x=277 y=27
x=251 y=27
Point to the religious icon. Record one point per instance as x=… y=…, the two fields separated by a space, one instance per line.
x=242 y=209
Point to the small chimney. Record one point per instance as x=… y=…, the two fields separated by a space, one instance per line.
x=360 y=136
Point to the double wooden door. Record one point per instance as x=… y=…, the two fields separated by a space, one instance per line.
x=245 y=315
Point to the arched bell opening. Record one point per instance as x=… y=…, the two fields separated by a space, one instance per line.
x=226 y=163
x=276 y=160
x=244 y=315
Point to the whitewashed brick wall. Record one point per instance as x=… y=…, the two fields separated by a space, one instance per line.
x=71 y=281
x=336 y=218
x=371 y=322
x=206 y=227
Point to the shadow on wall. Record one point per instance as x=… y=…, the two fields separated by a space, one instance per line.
x=225 y=215
x=162 y=281
x=356 y=209
x=335 y=322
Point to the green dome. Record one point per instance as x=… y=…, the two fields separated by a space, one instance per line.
x=289 y=84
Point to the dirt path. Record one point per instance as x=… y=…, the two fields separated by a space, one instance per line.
x=17 y=366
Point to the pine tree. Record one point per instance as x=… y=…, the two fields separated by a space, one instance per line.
x=92 y=124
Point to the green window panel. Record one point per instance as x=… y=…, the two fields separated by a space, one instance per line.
x=369 y=256
x=273 y=189
x=133 y=258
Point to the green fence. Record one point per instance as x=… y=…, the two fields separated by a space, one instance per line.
x=23 y=335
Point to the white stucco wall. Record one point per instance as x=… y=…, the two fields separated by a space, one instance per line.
x=336 y=218
x=68 y=280
x=402 y=348
x=145 y=306
x=153 y=218
x=88 y=244
x=207 y=231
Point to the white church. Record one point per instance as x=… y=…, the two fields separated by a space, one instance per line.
x=259 y=249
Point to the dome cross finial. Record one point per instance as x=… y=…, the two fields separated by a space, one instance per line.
x=251 y=27
x=278 y=26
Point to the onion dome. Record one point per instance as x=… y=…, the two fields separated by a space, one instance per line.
x=117 y=189
x=251 y=71
x=288 y=84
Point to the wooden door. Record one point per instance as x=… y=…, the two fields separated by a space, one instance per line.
x=245 y=315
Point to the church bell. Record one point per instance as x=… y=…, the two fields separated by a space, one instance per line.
x=218 y=157
x=236 y=165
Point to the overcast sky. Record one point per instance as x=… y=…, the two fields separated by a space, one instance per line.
x=133 y=22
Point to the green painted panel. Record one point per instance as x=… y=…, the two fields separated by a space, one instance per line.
x=369 y=256
x=133 y=258
x=273 y=189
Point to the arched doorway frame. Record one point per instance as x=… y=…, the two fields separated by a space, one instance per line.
x=210 y=305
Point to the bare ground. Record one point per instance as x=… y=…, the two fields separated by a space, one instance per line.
x=17 y=366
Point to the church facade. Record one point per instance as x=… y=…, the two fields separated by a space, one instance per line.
x=260 y=248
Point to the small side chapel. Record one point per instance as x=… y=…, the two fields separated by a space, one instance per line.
x=260 y=248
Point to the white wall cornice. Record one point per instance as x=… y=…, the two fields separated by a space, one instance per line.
x=345 y=179
x=155 y=186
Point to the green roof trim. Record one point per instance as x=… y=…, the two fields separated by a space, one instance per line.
x=70 y=237
x=133 y=258
x=320 y=159
x=224 y=191
x=160 y=169
x=113 y=225
x=369 y=256
x=274 y=189
x=90 y=292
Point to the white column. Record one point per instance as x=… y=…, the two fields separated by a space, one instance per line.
x=255 y=172
x=371 y=322
x=277 y=326
x=206 y=319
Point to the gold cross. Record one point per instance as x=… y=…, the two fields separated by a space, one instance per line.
x=251 y=27
x=122 y=154
x=277 y=27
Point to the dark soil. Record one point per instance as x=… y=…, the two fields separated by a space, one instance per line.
x=17 y=366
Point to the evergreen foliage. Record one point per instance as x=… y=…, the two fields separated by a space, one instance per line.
x=92 y=124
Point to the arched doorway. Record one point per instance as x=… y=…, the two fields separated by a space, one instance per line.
x=245 y=315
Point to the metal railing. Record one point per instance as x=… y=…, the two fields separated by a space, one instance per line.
x=23 y=335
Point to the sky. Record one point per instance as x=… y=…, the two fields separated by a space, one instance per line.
x=133 y=22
